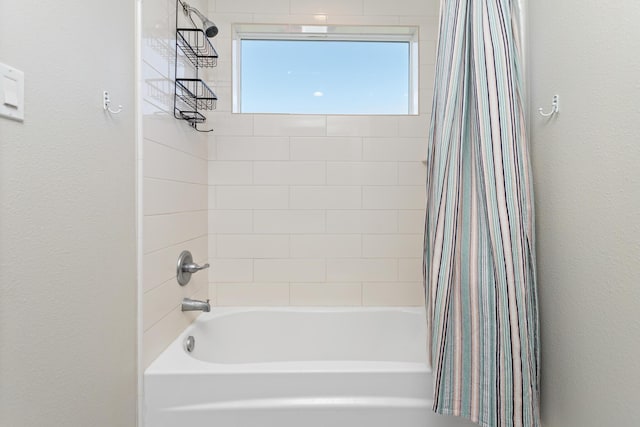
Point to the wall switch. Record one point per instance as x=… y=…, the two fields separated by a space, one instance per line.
x=11 y=93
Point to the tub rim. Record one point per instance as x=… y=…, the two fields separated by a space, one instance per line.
x=175 y=360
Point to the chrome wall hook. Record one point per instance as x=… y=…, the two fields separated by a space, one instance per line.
x=555 y=107
x=106 y=103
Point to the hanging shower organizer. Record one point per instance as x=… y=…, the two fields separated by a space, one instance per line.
x=193 y=95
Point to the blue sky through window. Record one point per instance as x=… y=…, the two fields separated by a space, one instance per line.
x=325 y=77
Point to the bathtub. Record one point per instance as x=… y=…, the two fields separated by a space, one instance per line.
x=296 y=367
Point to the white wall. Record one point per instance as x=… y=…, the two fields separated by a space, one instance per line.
x=586 y=167
x=174 y=170
x=318 y=209
x=67 y=218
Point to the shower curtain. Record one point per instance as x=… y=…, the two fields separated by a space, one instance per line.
x=479 y=250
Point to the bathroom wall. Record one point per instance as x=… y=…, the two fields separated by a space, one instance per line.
x=586 y=167
x=318 y=209
x=67 y=217
x=173 y=162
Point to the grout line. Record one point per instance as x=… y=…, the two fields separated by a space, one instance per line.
x=177 y=244
x=171 y=147
x=176 y=213
x=206 y=184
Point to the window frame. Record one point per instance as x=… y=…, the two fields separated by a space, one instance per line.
x=375 y=33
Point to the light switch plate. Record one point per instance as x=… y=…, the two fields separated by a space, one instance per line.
x=11 y=93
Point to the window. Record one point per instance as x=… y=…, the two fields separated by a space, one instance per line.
x=325 y=70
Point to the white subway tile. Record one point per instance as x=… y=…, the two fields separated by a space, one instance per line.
x=224 y=92
x=410 y=270
x=326 y=294
x=326 y=148
x=252 y=294
x=231 y=270
x=252 y=246
x=427 y=52
x=289 y=125
x=163 y=128
x=401 y=7
x=411 y=221
x=327 y=197
x=156 y=77
x=156 y=80
x=362 y=221
x=401 y=197
x=427 y=81
x=161 y=231
x=326 y=245
x=229 y=124
x=394 y=149
x=213 y=148
x=162 y=197
x=289 y=173
x=391 y=245
x=381 y=126
x=158 y=302
x=222 y=73
x=230 y=173
x=211 y=194
x=292 y=19
x=326 y=7
x=164 y=162
x=426 y=98
x=155 y=267
x=160 y=266
x=290 y=270
x=261 y=207
x=290 y=221
x=360 y=270
x=212 y=245
x=362 y=173
x=230 y=221
x=393 y=294
x=252 y=197
x=428 y=25
x=161 y=334
x=362 y=20
x=212 y=294
x=155 y=26
x=252 y=6
x=416 y=126
x=252 y=148
x=412 y=173
x=161 y=300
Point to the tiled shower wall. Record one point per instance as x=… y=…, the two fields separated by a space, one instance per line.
x=317 y=209
x=174 y=191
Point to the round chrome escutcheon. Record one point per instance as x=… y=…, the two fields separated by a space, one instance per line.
x=189 y=343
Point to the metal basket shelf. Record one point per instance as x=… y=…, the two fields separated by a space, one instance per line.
x=196 y=94
x=196 y=46
x=192 y=117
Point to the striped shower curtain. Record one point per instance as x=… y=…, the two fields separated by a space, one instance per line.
x=479 y=250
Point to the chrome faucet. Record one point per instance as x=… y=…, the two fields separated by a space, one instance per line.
x=189 y=304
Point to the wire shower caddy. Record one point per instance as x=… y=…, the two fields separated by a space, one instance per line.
x=193 y=95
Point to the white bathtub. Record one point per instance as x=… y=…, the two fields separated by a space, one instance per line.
x=296 y=367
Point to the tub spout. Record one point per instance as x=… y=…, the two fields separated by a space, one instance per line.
x=189 y=304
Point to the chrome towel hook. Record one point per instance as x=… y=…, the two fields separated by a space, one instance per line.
x=106 y=103
x=555 y=107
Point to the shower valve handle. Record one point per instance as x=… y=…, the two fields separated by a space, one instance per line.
x=192 y=268
x=186 y=267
